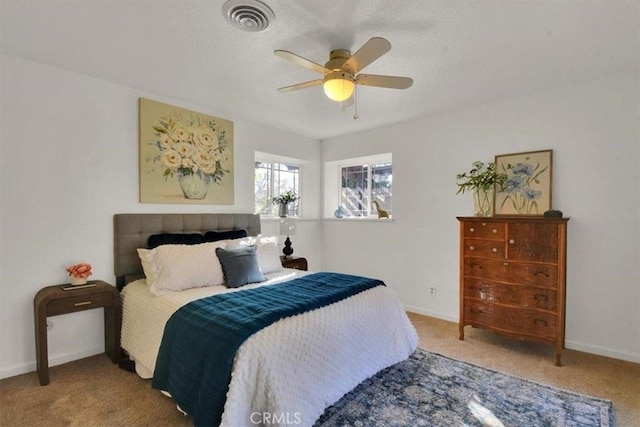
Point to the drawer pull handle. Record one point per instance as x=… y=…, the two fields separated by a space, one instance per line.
x=471 y=248
x=541 y=321
x=495 y=231
x=505 y=263
x=78 y=304
x=511 y=241
x=541 y=297
x=478 y=266
x=544 y=273
x=494 y=250
x=472 y=229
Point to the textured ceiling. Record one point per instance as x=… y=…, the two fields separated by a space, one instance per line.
x=458 y=53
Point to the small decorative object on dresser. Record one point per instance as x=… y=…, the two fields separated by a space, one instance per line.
x=552 y=214
x=79 y=273
x=513 y=277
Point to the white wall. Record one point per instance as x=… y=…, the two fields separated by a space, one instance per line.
x=593 y=131
x=69 y=162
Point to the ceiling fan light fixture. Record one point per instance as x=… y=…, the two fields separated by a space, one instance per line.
x=338 y=85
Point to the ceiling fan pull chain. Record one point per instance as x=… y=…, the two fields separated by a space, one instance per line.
x=355 y=101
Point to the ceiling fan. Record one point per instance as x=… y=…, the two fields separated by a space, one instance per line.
x=341 y=71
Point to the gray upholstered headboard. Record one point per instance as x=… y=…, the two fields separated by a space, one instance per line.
x=131 y=231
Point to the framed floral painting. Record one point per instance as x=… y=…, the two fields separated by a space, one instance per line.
x=185 y=156
x=527 y=190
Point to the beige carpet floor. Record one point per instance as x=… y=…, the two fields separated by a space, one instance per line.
x=94 y=392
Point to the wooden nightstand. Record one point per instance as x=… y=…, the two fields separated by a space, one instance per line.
x=299 y=263
x=53 y=300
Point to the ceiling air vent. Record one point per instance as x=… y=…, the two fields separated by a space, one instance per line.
x=248 y=15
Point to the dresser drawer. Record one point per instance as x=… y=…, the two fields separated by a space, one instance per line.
x=519 y=296
x=526 y=322
x=543 y=275
x=77 y=303
x=484 y=230
x=484 y=248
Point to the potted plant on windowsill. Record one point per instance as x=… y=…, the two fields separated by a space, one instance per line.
x=283 y=201
x=483 y=180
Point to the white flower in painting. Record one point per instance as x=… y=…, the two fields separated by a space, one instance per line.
x=171 y=159
x=185 y=149
x=165 y=141
x=225 y=161
x=206 y=162
x=180 y=132
x=205 y=139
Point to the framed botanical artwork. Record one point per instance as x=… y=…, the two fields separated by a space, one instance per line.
x=185 y=156
x=527 y=190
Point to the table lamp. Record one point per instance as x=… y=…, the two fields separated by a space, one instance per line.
x=287 y=228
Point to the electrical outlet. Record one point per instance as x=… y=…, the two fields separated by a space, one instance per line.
x=432 y=290
x=49 y=325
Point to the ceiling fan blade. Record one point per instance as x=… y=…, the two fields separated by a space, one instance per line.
x=300 y=86
x=304 y=62
x=392 y=82
x=373 y=49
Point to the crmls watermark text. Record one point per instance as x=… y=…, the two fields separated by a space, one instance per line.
x=266 y=418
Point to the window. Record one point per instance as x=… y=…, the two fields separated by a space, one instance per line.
x=358 y=183
x=364 y=184
x=271 y=179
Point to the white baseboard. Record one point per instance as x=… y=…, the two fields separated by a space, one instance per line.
x=24 y=368
x=602 y=351
x=430 y=313
x=573 y=345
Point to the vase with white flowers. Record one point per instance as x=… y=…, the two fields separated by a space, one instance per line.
x=483 y=180
x=283 y=201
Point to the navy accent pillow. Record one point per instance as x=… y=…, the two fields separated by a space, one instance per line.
x=156 y=240
x=240 y=266
x=214 y=236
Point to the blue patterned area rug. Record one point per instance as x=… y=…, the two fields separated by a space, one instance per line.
x=432 y=390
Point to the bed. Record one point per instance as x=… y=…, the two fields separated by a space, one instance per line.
x=289 y=371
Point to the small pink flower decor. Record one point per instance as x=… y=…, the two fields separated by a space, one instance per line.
x=78 y=273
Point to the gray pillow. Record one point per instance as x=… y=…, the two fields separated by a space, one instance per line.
x=240 y=266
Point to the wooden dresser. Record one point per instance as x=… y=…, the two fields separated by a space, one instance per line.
x=513 y=277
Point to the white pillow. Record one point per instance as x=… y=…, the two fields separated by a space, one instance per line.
x=147 y=265
x=268 y=251
x=179 y=267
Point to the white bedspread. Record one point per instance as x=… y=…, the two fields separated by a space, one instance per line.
x=291 y=371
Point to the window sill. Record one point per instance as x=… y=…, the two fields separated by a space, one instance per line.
x=329 y=218
x=359 y=219
x=277 y=218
